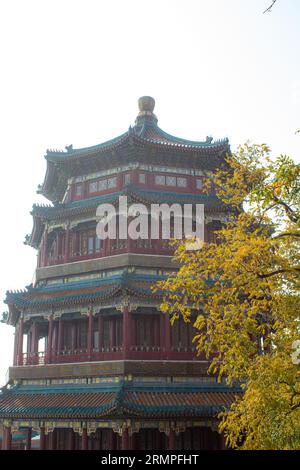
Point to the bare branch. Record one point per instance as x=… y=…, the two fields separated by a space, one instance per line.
x=287 y=234
x=269 y=9
x=279 y=271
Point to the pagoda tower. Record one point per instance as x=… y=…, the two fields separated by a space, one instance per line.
x=96 y=364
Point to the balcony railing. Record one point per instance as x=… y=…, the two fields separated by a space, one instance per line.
x=145 y=248
x=145 y=348
x=106 y=353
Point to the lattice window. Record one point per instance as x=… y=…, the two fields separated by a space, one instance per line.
x=142 y=178
x=171 y=180
x=111 y=182
x=102 y=185
x=160 y=179
x=78 y=189
x=127 y=178
x=181 y=182
x=93 y=186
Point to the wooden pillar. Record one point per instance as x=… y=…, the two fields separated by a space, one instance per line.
x=133 y=328
x=56 y=246
x=67 y=245
x=84 y=439
x=52 y=440
x=71 y=439
x=34 y=340
x=162 y=334
x=35 y=343
x=73 y=335
x=20 y=342
x=167 y=335
x=60 y=335
x=100 y=332
x=28 y=440
x=126 y=332
x=90 y=333
x=6 y=442
x=156 y=331
x=111 y=332
x=222 y=442
x=16 y=345
x=49 y=342
x=133 y=439
x=172 y=440
x=29 y=340
x=42 y=438
x=55 y=339
x=112 y=440
x=44 y=260
x=125 y=444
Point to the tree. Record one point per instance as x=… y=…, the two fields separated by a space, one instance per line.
x=245 y=290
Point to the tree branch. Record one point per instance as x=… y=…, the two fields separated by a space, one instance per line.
x=287 y=234
x=279 y=271
x=269 y=9
x=292 y=215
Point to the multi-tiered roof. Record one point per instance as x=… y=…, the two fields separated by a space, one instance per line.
x=144 y=145
x=110 y=359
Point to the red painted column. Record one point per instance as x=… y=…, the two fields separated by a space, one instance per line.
x=222 y=442
x=100 y=332
x=162 y=334
x=49 y=343
x=67 y=245
x=55 y=340
x=20 y=342
x=167 y=336
x=60 y=335
x=56 y=246
x=111 y=333
x=172 y=440
x=125 y=444
x=42 y=438
x=28 y=440
x=35 y=343
x=6 y=443
x=52 y=440
x=44 y=255
x=133 y=328
x=16 y=345
x=156 y=331
x=126 y=332
x=73 y=336
x=84 y=439
x=71 y=439
x=90 y=334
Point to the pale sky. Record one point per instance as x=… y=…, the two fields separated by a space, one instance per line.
x=72 y=71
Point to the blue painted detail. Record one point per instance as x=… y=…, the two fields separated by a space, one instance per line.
x=120 y=388
x=139 y=131
x=149 y=195
x=120 y=400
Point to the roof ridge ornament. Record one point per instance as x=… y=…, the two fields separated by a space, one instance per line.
x=69 y=148
x=146 y=106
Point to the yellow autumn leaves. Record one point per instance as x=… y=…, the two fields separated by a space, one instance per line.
x=245 y=292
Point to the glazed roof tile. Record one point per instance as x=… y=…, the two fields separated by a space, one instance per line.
x=83 y=292
x=145 y=134
x=100 y=400
x=211 y=201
